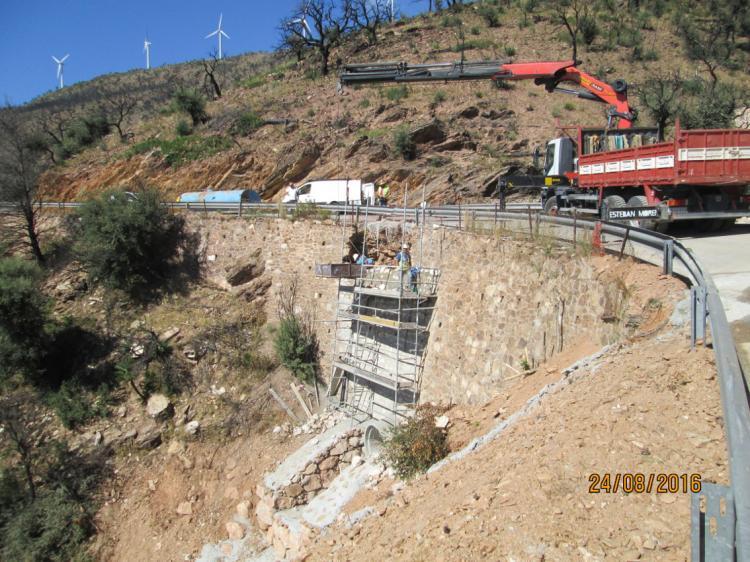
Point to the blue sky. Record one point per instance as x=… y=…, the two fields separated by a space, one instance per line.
x=104 y=36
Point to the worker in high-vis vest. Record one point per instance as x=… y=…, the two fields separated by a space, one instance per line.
x=383 y=192
x=403 y=263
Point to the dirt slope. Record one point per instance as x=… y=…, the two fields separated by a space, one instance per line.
x=525 y=496
x=484 y=130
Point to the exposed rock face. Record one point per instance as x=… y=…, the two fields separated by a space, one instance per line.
x=291 y=167
x=158 y=406
x=431 y=132
x=255 y=289
x=457 y=142
x=148 y=437
x=393 y=115
x=469 y=112
x=247 y=270
x=234 y=530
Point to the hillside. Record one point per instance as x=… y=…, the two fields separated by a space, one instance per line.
x=482 y=130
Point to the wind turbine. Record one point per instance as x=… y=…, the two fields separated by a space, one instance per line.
x=147 y=50
x=302 y=20
x=219 y=32
x=60 y=64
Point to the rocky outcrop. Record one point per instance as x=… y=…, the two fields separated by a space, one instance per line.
x=291 y=167
x=247 y=270
x=432 y=132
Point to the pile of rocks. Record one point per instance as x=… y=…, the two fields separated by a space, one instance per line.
x=320 y=471
x=316 y=424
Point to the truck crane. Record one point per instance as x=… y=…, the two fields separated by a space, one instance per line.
x=618 y=172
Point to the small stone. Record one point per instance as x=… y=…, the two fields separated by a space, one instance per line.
x=243 y=509
x=98 y=438
x=185 y=508
x=339 y=448
x=313 y=484
x=356 y=460
x=277 y=429
x=175 y=448
x=158 y=406
x=294 y=490
x=329 y=463
x=311 y=468
x=227 y=549
x=441 y=422
x=235 y=531
x=169 y=334
x=122 y=411
x=354 y=441
x=191 y=428
x=152 y=485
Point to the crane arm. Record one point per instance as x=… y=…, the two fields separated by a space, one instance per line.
x=549 y=74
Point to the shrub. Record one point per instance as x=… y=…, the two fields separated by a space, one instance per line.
x=569 y=106
x=296 y=348
x=53 y=528
x=129 y=244
x=253 y=82
x=510 y=51
x=708 y=106
x=182 y=149
x=417 y=444
x=23 y=319
x=192 y=103
x=75 y=405
x=247 y=123
x=403 y=144
x=473 y=44
x=451 y=21
x=364 y=104
x=183 y=128
x=475 y=30
x=490 y=15
x=439 y=97
x=589 y=29
x=397 y=93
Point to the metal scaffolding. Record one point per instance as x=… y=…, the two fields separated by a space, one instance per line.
x=382 y=323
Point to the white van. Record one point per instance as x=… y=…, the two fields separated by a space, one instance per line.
x=333 y=192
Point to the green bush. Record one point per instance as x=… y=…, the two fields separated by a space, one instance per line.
x=489 y=14
x=183 y=128
x=75 y=405
x=417 y=444
x=403 y=144
x=181 y=150
x=296 y=348
x=439 y=97
x=510 y=51
x=191 y=102
x=451 y=21
x=473 y=44
x=708 y=105
x=253 y=82
x=569 y=106
x=397 y=93
x=129 y=244
x=589 y=29
x=475 y=31
x=23 y=320
x=52 y=528
x=248 y=122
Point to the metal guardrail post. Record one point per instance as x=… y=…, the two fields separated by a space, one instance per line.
x=668 y=256
x=712 y=534
x=697 y=315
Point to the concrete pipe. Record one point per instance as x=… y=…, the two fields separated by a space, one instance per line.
x=375 y=432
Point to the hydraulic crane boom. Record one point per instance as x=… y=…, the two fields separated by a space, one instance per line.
x=549 y=74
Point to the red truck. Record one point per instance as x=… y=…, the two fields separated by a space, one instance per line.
x=619 y=172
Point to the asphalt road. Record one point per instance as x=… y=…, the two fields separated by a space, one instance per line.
x=727 y=257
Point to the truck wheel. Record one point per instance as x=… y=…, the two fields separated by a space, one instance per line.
x=648 y=224
x=550 y=206
x=611 y=202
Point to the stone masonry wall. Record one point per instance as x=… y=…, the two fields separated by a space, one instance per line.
x=502 y=302
x=499 y=300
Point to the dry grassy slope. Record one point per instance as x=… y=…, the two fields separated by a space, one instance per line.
x=329 y=124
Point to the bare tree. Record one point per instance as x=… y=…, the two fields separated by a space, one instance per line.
x=117 y=104
x=20 y=167
x=575 y=17
x=329 y=25
x=369 y=15
x=660 y=94
x=212 y=67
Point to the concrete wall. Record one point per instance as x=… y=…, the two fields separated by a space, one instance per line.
x=499 y=299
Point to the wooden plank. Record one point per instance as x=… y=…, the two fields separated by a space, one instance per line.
x=300 y=400
x=283 y=404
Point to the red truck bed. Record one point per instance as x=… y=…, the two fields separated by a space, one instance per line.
x=695 y=157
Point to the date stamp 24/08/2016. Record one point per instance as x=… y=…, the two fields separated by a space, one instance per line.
x=640 y=483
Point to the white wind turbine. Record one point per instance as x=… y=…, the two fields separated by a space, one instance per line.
x=219 y=32
x=302 y=20
x=60 y=64
x=147 y=50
